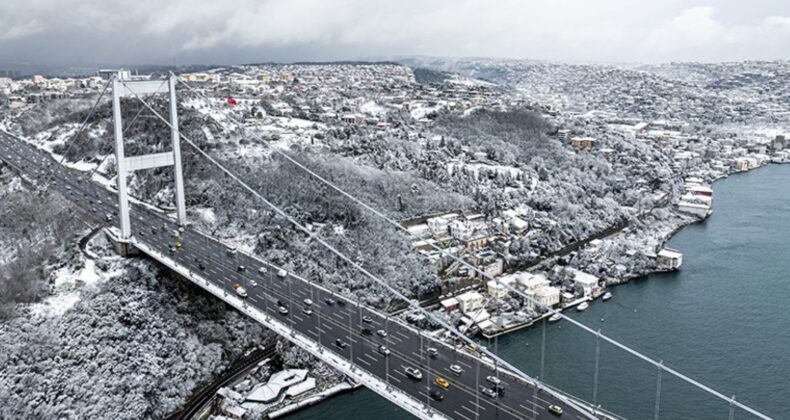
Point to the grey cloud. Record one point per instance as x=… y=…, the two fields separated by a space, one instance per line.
x=208 y=31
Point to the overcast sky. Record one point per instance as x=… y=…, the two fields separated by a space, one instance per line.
x=85 y=32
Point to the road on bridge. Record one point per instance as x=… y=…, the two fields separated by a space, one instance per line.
x=340 y=325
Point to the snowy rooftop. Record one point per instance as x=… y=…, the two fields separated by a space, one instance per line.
x=278 y=382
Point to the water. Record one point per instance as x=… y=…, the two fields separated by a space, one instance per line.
x=723 y=320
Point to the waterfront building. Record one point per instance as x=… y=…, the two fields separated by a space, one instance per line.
x=669 y=259
x=470 y=302
x=585 y=282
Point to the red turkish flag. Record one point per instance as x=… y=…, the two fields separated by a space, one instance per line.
x=231 y=101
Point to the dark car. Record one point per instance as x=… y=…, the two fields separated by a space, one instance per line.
x=329 y=301
x=436 y=395
x=367 y=331
x=340 y=343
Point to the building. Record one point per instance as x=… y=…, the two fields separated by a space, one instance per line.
x=499 y=288
x=697 y=205
x=470 y=302
x=582 y=143
x=585 y=282
x=778 y=143
x=278 y=383
x=529 y=282
x=121 y=74
x=545 y=296
x=449 y=305
x=669 y=259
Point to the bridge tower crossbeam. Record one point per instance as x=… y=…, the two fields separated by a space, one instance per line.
x=126 y=165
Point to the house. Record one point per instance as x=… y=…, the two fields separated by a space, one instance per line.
x=500 y=288
x=586 y=282
x=698 y=205
x=582 y=143
x=121 y=74
x=608 y=153
x=529 y=282
x=670 y=259
x=544 y=297
x=449 y=305
x=778 y=143
x=470 y=302
x=518 y=226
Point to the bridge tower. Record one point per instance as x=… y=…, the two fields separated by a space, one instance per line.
x=126 y=165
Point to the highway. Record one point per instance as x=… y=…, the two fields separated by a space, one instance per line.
x=342 y=326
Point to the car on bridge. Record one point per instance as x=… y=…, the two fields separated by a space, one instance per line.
x=307 y=311
x=444 y=383
x=240 y=290
x=381 y=333
x=554 y=409
x=282 y=273
x=436 y=395
x=493 y=380
x=340 y=343
x=384 y=350
x=488 y=391
x=457 y=370
x=413 y=373
x=282 y=310
x=432 y=352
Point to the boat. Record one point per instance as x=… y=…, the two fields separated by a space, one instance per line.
x=606 y=296
x=582 y=306
x=556 y=317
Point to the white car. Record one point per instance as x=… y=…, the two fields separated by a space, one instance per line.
x=282 y=273
x=493 y=379
x=308 y=302
x=262 y=270
x=456 y=370
x=241 y=291
x=414 y=373
x=282 y=310
x=381 y=333
x=384 y=350
x=253 y=283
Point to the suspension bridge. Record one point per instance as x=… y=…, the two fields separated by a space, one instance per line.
x=426 y=374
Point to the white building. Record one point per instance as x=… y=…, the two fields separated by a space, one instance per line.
x=584 y=281
x=545 y=296
x=107 y=74
x=470 y=302
x=669 y=258
x=530 y=282
x=278 y=383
